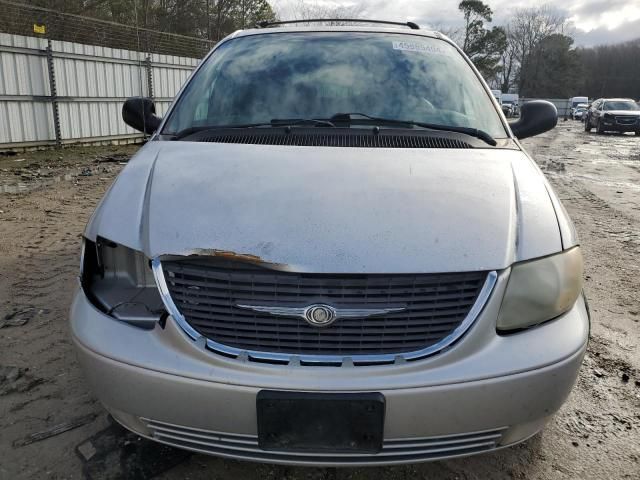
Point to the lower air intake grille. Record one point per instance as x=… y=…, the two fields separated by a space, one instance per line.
x=405 y=450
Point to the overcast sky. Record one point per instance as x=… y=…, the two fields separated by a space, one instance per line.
x=593 y=22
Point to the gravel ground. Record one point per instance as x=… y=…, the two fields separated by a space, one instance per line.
x=47 y=199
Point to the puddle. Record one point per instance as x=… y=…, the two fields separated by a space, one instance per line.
x=598 y=180
x=117 y=454
x=26 y=187
x=43 y=182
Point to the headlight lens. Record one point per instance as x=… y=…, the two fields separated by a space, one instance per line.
x=119 y=281
x=540 y=290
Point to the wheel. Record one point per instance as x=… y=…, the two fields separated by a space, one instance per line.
x=587 y=124
x=599 y=128
x=638 y=132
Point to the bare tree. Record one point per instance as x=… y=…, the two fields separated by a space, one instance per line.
x=526 y=29
x=453 y=32
x=510 y=64
x=308 y=10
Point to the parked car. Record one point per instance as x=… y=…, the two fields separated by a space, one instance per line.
x=510 y=109
x=497 y=94
x=579 y=111
x=514 y=100
x=613 y=114
x=575 y=101
x=332 y=251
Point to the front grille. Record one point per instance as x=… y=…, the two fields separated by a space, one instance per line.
x=626 y=119
x=402 y=450
x=207 y=292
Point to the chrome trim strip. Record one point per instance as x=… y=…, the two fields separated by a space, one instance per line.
x=302 y=312
x=158 y=274
x=398 y=448
x=426 y=450
x=337 y=360
x=151 y=423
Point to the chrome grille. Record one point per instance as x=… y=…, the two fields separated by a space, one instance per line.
x=207 y=291
x=402 y=450
x=626 y=119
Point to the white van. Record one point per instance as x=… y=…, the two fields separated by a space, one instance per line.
x=574 y=101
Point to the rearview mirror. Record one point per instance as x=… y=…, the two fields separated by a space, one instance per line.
x=536 y=116
x=140 y=113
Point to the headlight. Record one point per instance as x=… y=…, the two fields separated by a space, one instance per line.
x=119 y=282
x=540 y=290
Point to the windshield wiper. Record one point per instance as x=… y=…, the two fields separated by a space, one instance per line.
x=474 y=132
x=291 y=122
x=275 y=122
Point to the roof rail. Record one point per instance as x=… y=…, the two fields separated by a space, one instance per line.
x=411 y=25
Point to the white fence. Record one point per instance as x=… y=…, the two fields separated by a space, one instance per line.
x=562 y=104
x=54 y=92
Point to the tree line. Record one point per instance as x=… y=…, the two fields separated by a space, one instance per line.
x=206 y=19
x=533 y=53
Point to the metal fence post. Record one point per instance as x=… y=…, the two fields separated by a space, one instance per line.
x=147 y=64
x=54 y=94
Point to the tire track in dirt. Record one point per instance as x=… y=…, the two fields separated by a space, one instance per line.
x=40 y=233
x=595 y=435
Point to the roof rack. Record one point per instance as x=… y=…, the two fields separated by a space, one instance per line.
x=411 y=25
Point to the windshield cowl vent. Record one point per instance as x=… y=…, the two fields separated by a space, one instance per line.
x=333 y=139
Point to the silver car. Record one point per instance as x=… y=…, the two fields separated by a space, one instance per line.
x=332 y=251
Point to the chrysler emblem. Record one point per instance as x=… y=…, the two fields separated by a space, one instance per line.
x=320 y=315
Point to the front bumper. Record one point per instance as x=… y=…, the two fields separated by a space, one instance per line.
x=487 y=392
x=613 y=126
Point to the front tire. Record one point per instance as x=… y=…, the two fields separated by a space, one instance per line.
x=587 y=124
x=599 y=128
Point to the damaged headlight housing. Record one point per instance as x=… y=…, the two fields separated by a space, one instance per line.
x=119 y=282
x=540 y=290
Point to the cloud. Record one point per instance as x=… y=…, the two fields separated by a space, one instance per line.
x=595 y=8
x=601 y=36
x=594 y=21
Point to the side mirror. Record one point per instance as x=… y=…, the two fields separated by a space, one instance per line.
x=536 y=116
x=140 y=113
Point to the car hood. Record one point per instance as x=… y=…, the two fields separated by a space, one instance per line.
x=339 y=210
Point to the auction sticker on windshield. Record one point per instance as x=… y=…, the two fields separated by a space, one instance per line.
x=418 y=47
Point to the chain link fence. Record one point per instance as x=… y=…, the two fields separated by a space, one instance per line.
x=63 y=77
x=27 y=20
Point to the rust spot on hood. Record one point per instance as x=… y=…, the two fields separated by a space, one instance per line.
x=229 y=255
x=212 y=252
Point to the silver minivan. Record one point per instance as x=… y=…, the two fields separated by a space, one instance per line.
x=332 y=250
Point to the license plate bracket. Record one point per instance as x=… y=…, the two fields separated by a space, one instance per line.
x=321 y=422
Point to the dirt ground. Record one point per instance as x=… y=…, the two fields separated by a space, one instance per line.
x=45 y=201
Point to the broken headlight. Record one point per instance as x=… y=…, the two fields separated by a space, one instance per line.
x=119 y=282
x=541 y=289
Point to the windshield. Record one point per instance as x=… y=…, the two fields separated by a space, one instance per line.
x=621 y=105
x=260 y=78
